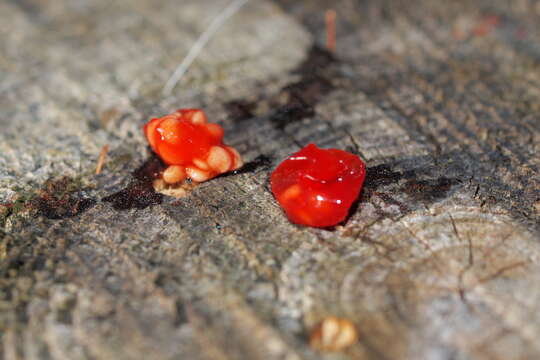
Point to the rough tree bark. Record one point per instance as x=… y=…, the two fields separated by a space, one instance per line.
x=438 y=260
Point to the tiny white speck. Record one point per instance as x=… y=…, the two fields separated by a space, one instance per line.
x=320 y=198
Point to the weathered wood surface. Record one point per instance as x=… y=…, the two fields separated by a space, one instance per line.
x=439 y=260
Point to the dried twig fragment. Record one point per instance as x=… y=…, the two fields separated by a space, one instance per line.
x=231 y=9
x=330 y=18
x=101 y=159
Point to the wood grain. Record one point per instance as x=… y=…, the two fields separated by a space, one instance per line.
x=439 y=259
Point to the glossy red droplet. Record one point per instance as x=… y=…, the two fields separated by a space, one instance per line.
x=316 y=187
x=191 y=146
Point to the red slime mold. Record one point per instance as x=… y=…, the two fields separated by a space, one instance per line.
x=192 y=147
x=316 y=187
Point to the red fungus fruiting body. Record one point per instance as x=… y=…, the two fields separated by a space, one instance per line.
x=316 y=187
x=192 y=147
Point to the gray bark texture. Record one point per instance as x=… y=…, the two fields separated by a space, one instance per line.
x=439 y=259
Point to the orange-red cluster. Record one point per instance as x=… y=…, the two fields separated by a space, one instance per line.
x=192 y=147
x=316 y=187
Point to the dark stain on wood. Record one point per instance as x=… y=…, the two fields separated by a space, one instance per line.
x=413 y=183
x=240 y=110
x=429 y=190
x=61 y=198
x=384 y=175
x=140 y=193
x=260 y=162
x=300 y=98
x=404 y=209
x=295 y=101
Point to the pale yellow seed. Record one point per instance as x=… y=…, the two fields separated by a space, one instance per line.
x=201 y=164
x=333 y=334
x=198 y=118
x=237 y=158
x=215 y=130
x=174 y=174
x=330 y=331
x=196 y=174
x=219 y=159
x=346 y=336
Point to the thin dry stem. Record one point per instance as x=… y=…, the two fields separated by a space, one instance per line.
x=197 y=47
x=330 y=17
x=101 y=159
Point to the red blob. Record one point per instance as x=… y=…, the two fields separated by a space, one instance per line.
x=178 y=139
x=185 y=138
x=316 y=187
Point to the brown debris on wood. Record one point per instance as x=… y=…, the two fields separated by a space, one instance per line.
x=140 y=192
x=330 y=19
x=101 y=159
x=61 y=198
x=440 y=257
